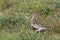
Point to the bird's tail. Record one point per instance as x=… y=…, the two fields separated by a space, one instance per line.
x=49 y=28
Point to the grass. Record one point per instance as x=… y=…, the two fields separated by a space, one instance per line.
x=15 y=19
x=29 y=35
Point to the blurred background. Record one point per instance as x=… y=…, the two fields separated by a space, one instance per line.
x=15 y=19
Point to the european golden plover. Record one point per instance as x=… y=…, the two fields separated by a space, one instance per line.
x=35 y=24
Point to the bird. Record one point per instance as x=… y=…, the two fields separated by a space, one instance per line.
x=36 y=24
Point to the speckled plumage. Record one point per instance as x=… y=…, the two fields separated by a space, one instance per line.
x=36 y=25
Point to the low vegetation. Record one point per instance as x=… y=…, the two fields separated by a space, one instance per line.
x=15 y=19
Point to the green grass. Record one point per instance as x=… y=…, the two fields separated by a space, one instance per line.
x=29 y=35
x=15 y=19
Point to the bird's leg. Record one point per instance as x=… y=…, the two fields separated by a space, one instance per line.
x=38 y=31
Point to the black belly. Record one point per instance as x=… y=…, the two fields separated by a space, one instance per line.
x=34 y=28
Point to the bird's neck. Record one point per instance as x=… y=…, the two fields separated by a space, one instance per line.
x=32 y=20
